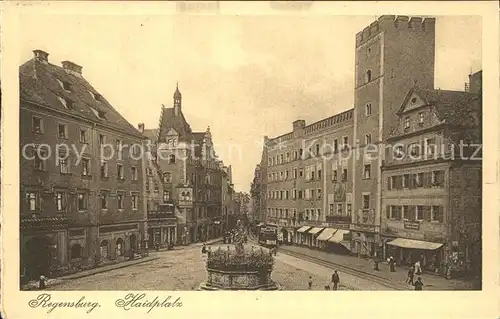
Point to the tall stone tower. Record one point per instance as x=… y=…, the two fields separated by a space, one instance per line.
x=392 y=55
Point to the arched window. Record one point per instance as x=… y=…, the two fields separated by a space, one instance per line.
x=368 y=76
x=76 y=251
x=171 y=159
x=188 y=195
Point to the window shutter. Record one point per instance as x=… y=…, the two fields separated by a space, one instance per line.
x=388 y=211
x=389 y=183
x=398 y=213
x=441 y=214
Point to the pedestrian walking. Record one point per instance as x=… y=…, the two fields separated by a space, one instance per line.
x=418 y=284
x=204 y=249
x=411 y=273
x=335 y=280
x=392 y=264
x=418 y=269
x=310 y=282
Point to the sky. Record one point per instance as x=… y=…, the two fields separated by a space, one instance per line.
x=244 y=76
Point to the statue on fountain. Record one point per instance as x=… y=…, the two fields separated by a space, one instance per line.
x=239 y=237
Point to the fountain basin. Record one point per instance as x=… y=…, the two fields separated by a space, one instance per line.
x=249 y=269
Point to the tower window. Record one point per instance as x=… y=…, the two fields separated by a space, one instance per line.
x=368 y=76
x=368 y=109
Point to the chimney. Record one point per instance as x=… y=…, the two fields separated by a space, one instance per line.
x=140 y=126
x=41 y=56
x=299 y=124
x=72 y=68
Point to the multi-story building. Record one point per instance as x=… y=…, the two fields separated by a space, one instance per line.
x=255 y=193
x=227 y=193
x=392 y=54
x=431 y=180
x=162 y=214
x=192 y=174
x=309 y=180
x=324 y=181
x=81 y=176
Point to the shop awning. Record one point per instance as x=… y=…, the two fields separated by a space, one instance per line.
x=326 y=234
x=315 y=230
x=415 y=244
x=338 y=237
x=303 y=229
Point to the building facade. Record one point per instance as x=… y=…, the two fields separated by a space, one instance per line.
x=81 y=176
x=432 y=185
x=326 y=182
x=162 y=214
x=392 y=54
x=309 y=180
x=192 y=174
x=255 y=193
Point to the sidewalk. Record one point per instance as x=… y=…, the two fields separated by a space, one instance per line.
x=33 y=285
x=431 y=281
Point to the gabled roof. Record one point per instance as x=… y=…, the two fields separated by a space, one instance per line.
x=39 y=83
x=453 y=107
x=179 y=123
x=198 y=138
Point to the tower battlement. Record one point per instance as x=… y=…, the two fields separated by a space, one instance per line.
x=392 y=23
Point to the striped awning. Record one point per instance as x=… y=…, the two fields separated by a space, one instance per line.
x=303 y=229
x=415 y=244
x=326 y=234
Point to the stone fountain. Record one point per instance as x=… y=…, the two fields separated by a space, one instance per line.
x=239 y=266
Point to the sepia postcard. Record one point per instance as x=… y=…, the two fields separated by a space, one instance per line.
x=220 y=159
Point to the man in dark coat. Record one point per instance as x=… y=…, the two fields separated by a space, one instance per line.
x=418 y=284
x=335 y=280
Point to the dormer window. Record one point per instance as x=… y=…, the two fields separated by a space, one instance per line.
x=65 y=85
x=67 y=103
x=100 y=114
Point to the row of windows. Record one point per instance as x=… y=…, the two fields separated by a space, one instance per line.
x=412 y=212
x=338 y=209
x=295 y=194
x=299 y=153
x=64 y=165
x=407 y=120
x=427 y=148
x=62 y=132
x=417 y=180
x=61 y=200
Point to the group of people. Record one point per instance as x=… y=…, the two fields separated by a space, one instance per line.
x=415 y=270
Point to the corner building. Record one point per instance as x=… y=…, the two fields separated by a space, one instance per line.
x=392 y=55
x=191 y=172
x=82 y=204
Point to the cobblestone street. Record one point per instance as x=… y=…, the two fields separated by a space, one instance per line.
x=184 y=269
